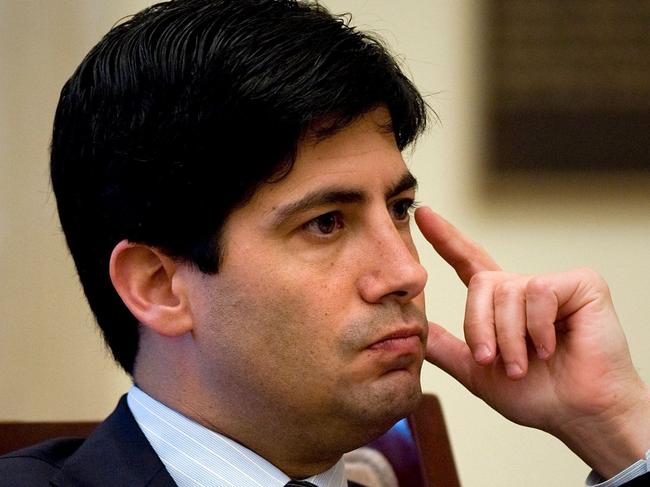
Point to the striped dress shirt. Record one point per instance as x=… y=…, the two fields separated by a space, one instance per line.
x=198 y=457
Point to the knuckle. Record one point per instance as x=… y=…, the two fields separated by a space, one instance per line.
x=538 y=285
x=510 y=350
x=591 y=275
x=595 y=280
x=480 y=279
x=475 y=328
x=471 y=322
x=511 y=330
x=505 y=291
x=536 y=327
x=512 y=338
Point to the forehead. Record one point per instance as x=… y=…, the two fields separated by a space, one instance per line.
x=370 y=132
x=363 y=155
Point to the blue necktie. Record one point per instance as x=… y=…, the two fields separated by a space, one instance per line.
x=299 y=483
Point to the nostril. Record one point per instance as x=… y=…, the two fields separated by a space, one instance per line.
x=401 y=294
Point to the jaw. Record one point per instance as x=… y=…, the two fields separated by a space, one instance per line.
x=372 y=408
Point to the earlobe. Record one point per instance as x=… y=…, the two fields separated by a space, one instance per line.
x=151 y=287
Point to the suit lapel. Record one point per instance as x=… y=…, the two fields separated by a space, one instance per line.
x=117 y=453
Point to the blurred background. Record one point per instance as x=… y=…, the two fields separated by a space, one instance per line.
x=466 y=57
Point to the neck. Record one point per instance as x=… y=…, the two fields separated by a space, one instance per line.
x=297 y=447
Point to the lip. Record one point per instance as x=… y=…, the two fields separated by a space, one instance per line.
x=404 y=340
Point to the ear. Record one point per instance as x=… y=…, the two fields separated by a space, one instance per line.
x=151 y=287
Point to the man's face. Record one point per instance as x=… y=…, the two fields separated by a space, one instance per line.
x=315 y=321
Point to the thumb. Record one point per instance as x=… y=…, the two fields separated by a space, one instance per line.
x=449 y=353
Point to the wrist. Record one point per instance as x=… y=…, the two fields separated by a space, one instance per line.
x=622 y=478
x=613 y=440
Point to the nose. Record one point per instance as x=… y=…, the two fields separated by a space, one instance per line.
x=392 y=270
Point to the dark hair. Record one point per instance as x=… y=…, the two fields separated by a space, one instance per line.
x=177 y=116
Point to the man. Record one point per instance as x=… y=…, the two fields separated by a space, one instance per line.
x=230 y=181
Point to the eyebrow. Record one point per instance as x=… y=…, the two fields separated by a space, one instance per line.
x=407 y=182
x=336 y=194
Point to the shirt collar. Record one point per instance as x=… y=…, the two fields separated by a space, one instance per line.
x=197 y=456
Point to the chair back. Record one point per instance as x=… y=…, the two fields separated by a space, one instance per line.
x=418 y=448
x=17 y=435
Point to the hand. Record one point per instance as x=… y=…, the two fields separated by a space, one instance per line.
x=546 y=351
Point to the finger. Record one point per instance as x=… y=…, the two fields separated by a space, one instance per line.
x=510 y=326
x=576 y=289
x=541 y=313
x=465 y=256
x=449 y=353
x=479 y=318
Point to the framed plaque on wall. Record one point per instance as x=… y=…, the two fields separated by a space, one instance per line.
x=569 y=85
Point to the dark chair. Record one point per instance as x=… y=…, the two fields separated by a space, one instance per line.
x=16 y=435
x=417 y=447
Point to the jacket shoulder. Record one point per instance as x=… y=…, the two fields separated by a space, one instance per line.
x=36 y=465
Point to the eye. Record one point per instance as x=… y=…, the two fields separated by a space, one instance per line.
x=325 y=224
x=401 y=208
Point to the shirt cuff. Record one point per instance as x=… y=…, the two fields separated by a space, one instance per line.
x=630 y=473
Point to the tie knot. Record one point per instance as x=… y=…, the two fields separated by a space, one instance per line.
x=299 y=483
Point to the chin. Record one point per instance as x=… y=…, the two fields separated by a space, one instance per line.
x=400 y=394
x=395 y=396
x=367 y=412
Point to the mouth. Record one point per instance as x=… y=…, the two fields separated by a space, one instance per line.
x=403 y=341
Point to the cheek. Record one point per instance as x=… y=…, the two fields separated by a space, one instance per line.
x=285 y=310
x=283 y=300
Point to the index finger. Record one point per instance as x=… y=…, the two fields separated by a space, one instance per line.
x=466 y=257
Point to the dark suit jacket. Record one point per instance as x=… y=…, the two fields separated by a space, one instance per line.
x=642 y=481
x=116 y=454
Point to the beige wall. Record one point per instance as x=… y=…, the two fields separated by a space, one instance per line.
x=52 y=362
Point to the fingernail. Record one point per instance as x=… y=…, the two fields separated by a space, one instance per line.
x=513 y=370
x=542 y=353
x=482 y=353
